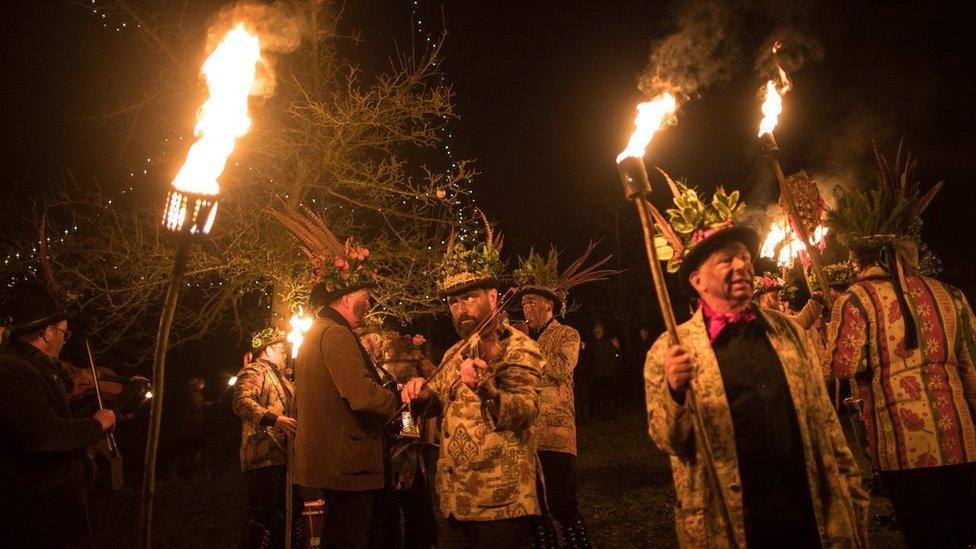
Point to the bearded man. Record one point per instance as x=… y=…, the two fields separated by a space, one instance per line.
x=758 y=455
x=488 y=396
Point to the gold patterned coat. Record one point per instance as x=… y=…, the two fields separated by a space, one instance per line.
x=556 y=426
x=487 y=467
x=840 y=504
x=260 y=396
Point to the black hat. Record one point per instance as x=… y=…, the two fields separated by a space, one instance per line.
x=33 y=308
x=706 y=247
x=557 y=302
x=323 y=296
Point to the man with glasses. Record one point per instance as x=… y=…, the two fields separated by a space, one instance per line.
x=43 y=500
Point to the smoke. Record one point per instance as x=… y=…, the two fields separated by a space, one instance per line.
x=279 y=27
x=710 y=37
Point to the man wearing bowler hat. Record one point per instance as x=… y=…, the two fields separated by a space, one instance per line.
x=757 y=452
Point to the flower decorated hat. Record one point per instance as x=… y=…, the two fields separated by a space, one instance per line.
x=337 y=268
x=694 y=229
x=465 y=268
x=540 y=275
x=266 y=337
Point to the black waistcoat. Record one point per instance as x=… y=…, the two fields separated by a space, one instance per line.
x=776 y=497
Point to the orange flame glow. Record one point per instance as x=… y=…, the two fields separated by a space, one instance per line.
x=772 y=105
x=230 y=72
x=651 y=117
x=784 y=246
x=299 y=325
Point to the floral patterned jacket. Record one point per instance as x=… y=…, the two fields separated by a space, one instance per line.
x=917 y=404
x=487 y=466
x=840 y=504
x=556 y=426
x=260 y=396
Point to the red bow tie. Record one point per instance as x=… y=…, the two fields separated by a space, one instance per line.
x=715 y=322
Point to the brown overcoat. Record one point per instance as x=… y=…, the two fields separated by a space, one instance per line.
x=340 y=407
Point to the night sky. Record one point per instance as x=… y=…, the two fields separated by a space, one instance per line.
x=546 y=94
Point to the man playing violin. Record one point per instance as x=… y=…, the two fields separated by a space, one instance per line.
x=487 y=392
x=43 y=500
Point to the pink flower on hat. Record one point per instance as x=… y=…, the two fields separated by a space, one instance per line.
x=341 y=263
x=418 y=340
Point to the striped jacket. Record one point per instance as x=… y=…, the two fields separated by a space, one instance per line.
x=917 y=404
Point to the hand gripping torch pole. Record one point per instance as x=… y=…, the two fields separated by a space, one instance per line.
x=637 y=189
x=113 y=448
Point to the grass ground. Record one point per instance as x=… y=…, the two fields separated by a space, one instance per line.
x=625 y=492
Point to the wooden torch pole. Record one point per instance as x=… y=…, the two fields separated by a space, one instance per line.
x=637 y=188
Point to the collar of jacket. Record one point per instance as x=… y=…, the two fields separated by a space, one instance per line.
x=535 y=335
x=329 y=313
x=873 y=272
x=335 y=316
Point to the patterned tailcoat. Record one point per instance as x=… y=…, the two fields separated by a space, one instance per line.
x=556 y=426
x=839 y=503
x=487 y=468
x=260 y=396
x=918 y=404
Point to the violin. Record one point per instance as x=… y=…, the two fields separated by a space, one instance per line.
x=119 y=392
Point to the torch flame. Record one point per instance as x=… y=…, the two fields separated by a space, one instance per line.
x=784 y=246
x=771 y=109
x=230 y=72
x=651 y=117
x=299 y=325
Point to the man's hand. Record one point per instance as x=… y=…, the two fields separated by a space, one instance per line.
x=415 y=389
x=287 y=425
x=678 y=370
x=473 y=371
x=106 y=418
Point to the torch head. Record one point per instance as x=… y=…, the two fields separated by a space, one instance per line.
x=633 y=176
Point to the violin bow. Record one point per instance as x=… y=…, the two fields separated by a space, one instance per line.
x=113 y=448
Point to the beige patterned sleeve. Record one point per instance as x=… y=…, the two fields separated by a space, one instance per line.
x=518 y=381
x=668 y=422
x=561 y=363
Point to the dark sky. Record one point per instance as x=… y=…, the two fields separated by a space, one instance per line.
x=546 y=94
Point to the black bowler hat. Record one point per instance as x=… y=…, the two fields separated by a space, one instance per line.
x=32 y=308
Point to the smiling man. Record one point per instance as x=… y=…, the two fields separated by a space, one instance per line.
x=765 y=463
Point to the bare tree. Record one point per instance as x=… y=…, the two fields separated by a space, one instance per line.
x=331 y=138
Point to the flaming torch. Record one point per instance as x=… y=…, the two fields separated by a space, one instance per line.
x=191 y=206
x=651 y=117
x=772 y=107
